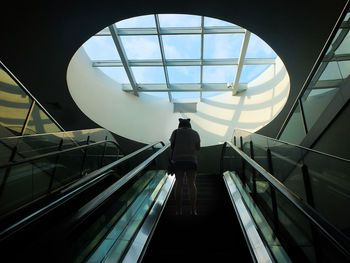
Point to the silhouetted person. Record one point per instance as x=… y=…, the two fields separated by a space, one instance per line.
x=185 y=143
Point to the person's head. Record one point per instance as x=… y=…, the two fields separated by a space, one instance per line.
x=184 y=123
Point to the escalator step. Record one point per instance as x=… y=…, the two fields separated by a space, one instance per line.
x=214 y=234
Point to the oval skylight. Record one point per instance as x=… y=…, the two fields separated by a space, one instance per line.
x=138 y=76
x=179 y=56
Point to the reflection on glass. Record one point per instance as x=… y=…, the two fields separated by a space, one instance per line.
x=344 y=47
x=315 y=102
x=331 y=72
x=14 y=104
x=344 y=68
x=294 y=131
x=39 y=122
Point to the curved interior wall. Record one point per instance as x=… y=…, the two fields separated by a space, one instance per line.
x=147 y=119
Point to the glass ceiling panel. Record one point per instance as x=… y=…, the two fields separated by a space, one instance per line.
x=344 y=47
x=219 y=74
x=148 y=75
x=331 y=72
x=184 y=74
x=182 y=46
x=344 y=68
x=257 y=48
x=145 y=48
x=141 y=47
x=118 y=74
x=251 y=72
x=135 y=22
x=101 y=48
x=175 y=20
x=222 y=45
x=185 y=95
x=347 y=17
x=208 y=21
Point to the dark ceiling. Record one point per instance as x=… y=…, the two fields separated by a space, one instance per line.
x=38 y=39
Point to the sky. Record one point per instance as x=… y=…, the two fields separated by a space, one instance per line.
x=179 y=47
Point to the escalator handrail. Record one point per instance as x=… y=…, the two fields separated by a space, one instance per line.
x=341 y=241
x=86 y=179
x=78 y=188
x=50 y=154
x=297 y=146
x=96 y=202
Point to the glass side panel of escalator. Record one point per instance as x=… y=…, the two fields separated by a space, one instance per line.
x=29 y=181
x=288 y=227
x=33 y=145
x=107 y=234
x=319 y=179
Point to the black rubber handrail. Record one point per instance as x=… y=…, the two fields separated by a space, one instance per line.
x=341 y=241
x=50 y=154
x=106 y=194
x=295 y=145
x=77 y=189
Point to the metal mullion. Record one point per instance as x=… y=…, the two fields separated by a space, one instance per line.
x=147 y=31
x=123 y=57
x=182 y=62
x=24 y=127
x=241 y=60
x=181 y=90
x=163 y=56
x=202 y=46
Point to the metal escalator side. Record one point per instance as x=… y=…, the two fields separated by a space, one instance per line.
x=83 y=221
x=289 y=227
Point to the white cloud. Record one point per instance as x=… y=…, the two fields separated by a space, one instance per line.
x=222 y=46
x=141 y=47
x=101 y=47
x=258 y=48
x=175 y=20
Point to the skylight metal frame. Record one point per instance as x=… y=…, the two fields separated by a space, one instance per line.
x=241 y=59
x=201 y=60
x=156 y=18
x=124 y=59
x=183 y=62
x=159 y=31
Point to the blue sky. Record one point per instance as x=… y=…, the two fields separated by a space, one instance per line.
x=179 y=47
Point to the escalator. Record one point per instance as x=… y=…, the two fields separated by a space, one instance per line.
x=123 y=210
x=214 y=235
x=77 y=183
x=296 y=196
